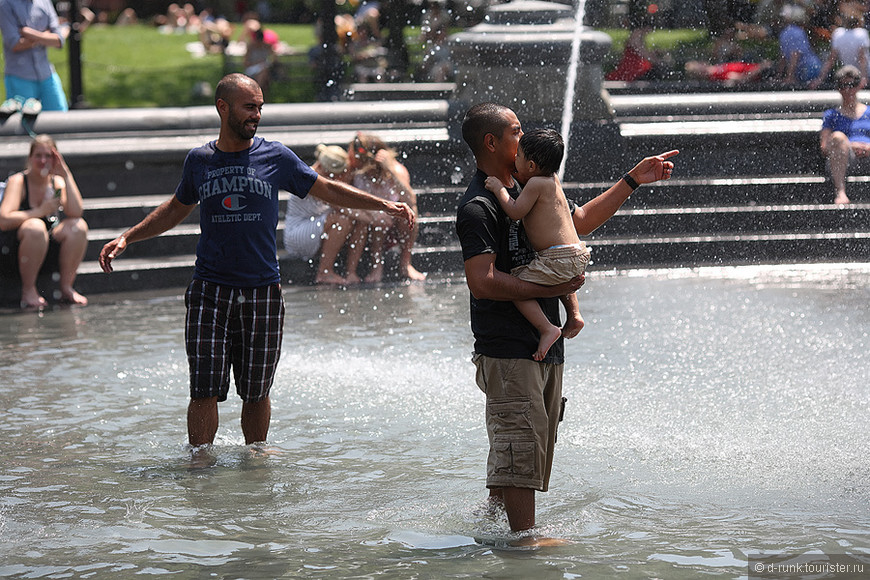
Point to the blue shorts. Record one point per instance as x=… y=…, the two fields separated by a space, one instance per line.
x=49 y=92
x=238 y=328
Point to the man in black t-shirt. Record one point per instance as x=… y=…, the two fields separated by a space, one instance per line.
x=523 y=396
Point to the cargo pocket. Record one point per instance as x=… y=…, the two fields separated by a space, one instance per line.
x=513 y=458
x=509 y=415
x=479 y=374
x=513 y=443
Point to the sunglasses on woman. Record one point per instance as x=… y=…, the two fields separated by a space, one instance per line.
x=358 y=147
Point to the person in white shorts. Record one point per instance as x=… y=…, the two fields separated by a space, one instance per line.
x=314 y=229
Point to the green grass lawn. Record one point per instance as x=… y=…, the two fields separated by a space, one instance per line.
x=137 y=66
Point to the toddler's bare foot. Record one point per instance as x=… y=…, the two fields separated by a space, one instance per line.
x=573 y=326
x=548 y=337
x=841 y=197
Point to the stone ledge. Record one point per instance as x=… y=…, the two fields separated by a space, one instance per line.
x=205 y=117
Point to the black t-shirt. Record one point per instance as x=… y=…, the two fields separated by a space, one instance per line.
x=500 y=331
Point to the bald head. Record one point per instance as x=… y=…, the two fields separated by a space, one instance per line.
x=231 y=84
x=239 y=101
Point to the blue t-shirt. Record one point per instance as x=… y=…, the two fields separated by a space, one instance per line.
x=792 y=39
x=238 y=214
x=855 y=129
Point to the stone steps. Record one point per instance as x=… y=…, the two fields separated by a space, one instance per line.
x=686 y=250
x=635 y=236
x=690 y=251
x=763 y=203
x=642 y=233
x=750 y=186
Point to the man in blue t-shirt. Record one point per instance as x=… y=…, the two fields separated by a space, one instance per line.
x=235 y=311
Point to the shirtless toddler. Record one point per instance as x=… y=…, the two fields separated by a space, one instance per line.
x=544 y=210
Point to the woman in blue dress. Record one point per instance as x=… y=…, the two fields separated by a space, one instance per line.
x=845 y=136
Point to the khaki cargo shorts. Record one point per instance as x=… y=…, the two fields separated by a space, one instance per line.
x=555 y=265
x=523 y=408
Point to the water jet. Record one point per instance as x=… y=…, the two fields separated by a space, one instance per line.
x=520 y=56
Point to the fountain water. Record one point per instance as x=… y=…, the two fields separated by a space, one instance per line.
x=522 y=55
x=571 y=82
x=712 y=414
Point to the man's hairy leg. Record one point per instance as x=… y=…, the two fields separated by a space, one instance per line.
x=202 y=421
x=255 y=420
x=519 y=503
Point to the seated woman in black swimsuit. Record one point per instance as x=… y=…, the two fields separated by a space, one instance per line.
x=29 y=222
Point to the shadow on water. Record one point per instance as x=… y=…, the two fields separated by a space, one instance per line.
x=712 y=414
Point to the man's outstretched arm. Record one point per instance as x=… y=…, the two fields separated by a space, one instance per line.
x=591 y=215
x=340 y=194
x=165 y=217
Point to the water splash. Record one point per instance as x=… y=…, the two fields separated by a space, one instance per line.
x=571 y=83
x=707 y=408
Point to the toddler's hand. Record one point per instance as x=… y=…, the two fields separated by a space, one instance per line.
x=493 y=184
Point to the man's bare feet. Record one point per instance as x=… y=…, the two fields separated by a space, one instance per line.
x=72 y=297
x=329 y=278
x=262 y=450
x=30 y=299
x=572 y=327
x=202 y=457
x=548 y=337
x=414 y=275
x=538 y=542
x=841 y=198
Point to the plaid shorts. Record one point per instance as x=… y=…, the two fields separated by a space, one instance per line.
x=229 y=327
